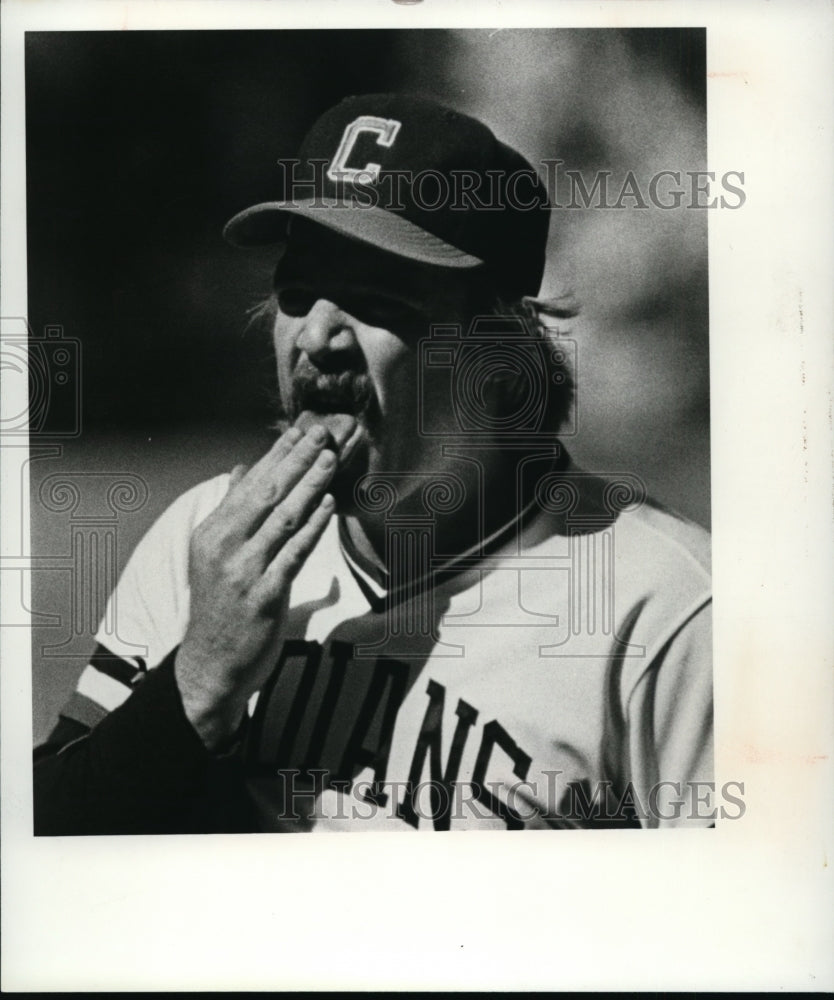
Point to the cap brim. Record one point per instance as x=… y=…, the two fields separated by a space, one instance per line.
x=265 y=224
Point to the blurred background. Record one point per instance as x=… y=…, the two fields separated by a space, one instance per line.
x=140 y=145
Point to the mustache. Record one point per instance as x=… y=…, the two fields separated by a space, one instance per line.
x=331 y=392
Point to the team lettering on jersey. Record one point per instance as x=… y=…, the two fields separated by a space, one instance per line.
x=301 y=717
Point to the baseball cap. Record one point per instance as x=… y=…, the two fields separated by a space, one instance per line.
x=412 y=177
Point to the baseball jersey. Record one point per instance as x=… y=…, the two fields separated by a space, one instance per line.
x=557 y=676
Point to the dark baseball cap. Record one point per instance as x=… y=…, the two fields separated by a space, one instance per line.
x=416 y=179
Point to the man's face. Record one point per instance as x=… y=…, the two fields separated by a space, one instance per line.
x=345 y=342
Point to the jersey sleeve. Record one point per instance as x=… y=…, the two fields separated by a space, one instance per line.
x=123 y=757
x=670 y=729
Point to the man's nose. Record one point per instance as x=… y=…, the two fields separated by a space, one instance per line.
x=326 y=330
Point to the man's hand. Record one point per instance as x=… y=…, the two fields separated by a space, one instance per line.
x=242 y=561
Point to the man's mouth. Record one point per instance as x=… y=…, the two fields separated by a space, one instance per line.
x=342 y=402
x=344 y=429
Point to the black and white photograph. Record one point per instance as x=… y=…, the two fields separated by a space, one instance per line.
x=375 y=423
x=375 y=587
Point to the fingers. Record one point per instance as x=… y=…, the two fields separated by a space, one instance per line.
x=289 y=559
x=289 y=515
x=270 y=480
x=279 y=451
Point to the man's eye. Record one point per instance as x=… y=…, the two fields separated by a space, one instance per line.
x=295 y=301
x=388 y=313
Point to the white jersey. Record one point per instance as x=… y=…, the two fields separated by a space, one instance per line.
x=564 y=679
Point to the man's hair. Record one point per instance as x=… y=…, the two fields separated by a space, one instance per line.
x=509 y=390
x=539 y=318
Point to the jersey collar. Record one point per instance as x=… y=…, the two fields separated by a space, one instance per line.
x=378 y=595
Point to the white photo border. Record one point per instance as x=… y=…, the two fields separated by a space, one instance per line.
x=746 y=906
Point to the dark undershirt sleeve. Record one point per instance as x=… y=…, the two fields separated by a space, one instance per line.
x=141 y=769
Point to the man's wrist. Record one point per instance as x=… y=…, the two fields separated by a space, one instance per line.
x=216 y=717
x=218 y=728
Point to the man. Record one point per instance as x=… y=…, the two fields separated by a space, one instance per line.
x=414 y=612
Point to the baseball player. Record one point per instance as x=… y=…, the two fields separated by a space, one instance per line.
x=414 y=612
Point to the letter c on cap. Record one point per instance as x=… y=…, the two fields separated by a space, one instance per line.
x=385 y=129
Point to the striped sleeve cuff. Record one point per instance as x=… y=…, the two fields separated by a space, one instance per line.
x=104 y=685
